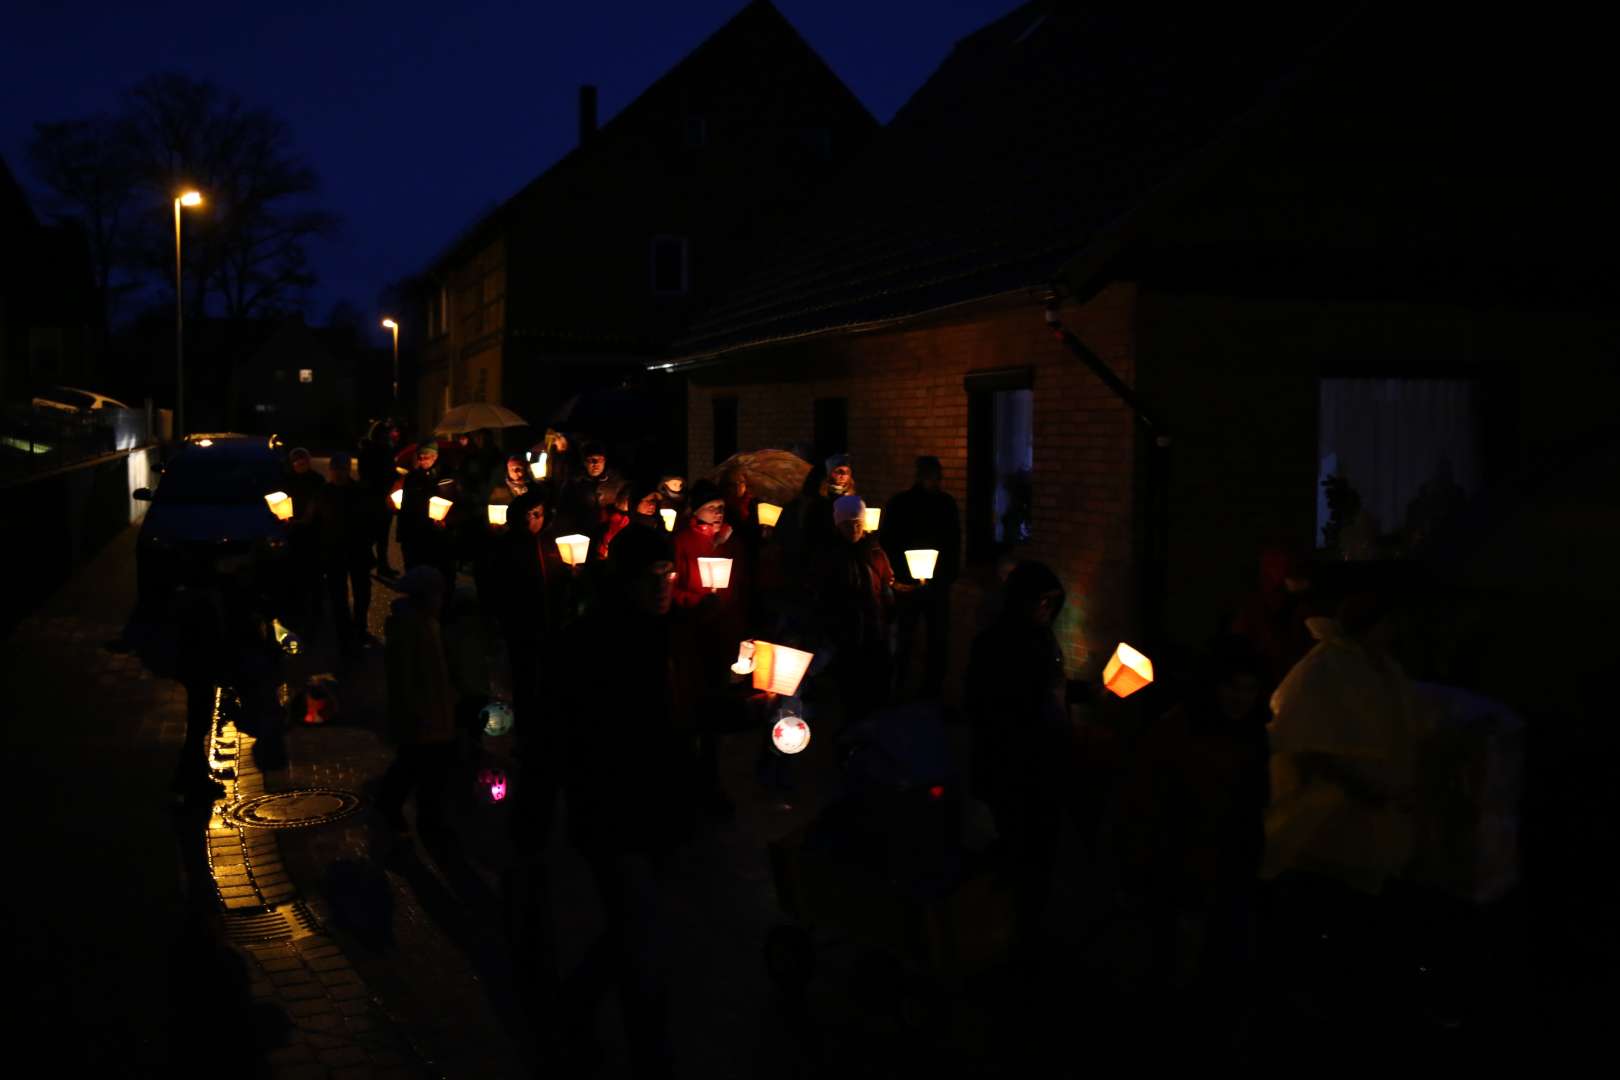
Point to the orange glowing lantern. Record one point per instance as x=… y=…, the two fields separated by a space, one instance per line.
x=497 y=513
x=668 y=514
x=537 y=467
x=779 y=669
x=745 y=659
x=280 y=504
x=769 y=514
x=790 y=734
x=920 y=561
x=870 y=518
x=438 y=507
x=1127 y=671
x=715 y=573
x=575 y=549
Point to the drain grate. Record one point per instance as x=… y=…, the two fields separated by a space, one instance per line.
x=292 y=809
x=278 y=922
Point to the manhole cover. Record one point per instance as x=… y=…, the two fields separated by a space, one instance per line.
x=293 y=809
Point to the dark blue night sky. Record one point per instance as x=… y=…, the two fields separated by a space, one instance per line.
x=419 y=117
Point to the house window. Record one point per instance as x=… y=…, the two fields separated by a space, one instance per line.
x=831 y=427
x=669 y=264
x=306 y=375
x=725 y=428
x=1407 y=451
x=697 y=132
x=1001 y=461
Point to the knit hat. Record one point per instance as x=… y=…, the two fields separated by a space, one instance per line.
x=429 y=447
x=593 y=449
x=848 y=508
x=703 y=492
x=298 y=452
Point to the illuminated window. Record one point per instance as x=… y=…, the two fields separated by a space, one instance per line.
x=1001 y=459
x=669 y=264
x=306 y=374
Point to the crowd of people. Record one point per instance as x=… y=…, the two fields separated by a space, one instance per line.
x=1249 y=768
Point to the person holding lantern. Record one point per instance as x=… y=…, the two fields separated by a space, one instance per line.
x=716 y=620
x=377 y=477
x=672 y=496
x=924 y=516
x=589 y=498
x=423 y=541
x=628 y=781
x=637 y=506
x=303 y=552
x=514 y=481
x=853 y=602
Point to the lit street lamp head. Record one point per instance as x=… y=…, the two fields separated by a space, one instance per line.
x=191 y=198
x=390 y=324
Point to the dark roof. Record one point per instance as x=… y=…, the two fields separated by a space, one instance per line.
x=759 y=18
x=1036 y=138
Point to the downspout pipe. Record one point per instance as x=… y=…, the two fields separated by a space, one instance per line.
x=1156 y=523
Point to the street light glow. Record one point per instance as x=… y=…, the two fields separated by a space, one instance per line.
x=390 y=324
x=191 y=198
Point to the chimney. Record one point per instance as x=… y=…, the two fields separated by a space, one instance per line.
x=587 y=113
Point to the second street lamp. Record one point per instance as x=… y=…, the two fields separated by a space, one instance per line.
x=394 y=326
x=186 y=198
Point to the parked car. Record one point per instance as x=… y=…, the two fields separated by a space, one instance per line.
x=74 y=401
x=209 y=518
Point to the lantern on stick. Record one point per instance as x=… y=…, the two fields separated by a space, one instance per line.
x=668 y=514
x=537 y=467
x=497 y=513
x=870 y=518
x=497 y=718
x=280 y=504
x=745 y=659
x=790 y=734
x=920 y=561
x=1127 y=671
x=438 y=507
x=575 y=549
x=397 y=497
x=779 y=669
x=715 y=573
x=491 y=785
x=769 y=514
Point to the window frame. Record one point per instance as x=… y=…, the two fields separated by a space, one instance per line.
x=979 y=533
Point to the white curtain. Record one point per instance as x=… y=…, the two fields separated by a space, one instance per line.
x=1389 y=437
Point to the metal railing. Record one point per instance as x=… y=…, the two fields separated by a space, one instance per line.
x=36 y=440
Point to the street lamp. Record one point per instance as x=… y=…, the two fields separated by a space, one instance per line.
x=394 y=326
x=185 y=198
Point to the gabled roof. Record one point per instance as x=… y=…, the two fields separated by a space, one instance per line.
x=758 y=19
x=1036 y=138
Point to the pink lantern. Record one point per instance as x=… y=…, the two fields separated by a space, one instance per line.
x=280 y=504
x=574 y=548
x=779 y=669
x=715 y=573
x=1127 y=671
x=491 y=785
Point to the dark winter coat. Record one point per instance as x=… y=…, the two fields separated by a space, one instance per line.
x=919 y=518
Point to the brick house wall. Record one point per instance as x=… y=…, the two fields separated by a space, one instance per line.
x=906 y=397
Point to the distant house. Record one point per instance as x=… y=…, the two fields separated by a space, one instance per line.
x=1298 y=244
x=47 y=300
x=594 y=266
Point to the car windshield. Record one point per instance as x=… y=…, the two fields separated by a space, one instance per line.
x=199 y=476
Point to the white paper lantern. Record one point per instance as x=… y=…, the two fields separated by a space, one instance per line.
x=438 y=507
x=745 y=659
x=280 y=504
x=871 y=516
x=397 y=498
x=668 y=514
x=779 y=669
x=715 y=573
x=575 y=549
x=1127 y=671
x=538 y=467
x=790 y=734
x=920 y=561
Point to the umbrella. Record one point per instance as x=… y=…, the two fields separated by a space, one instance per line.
x=774 y=476
x=476 y=415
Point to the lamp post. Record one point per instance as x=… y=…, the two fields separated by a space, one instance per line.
x=186 y=198
x=394 y=326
